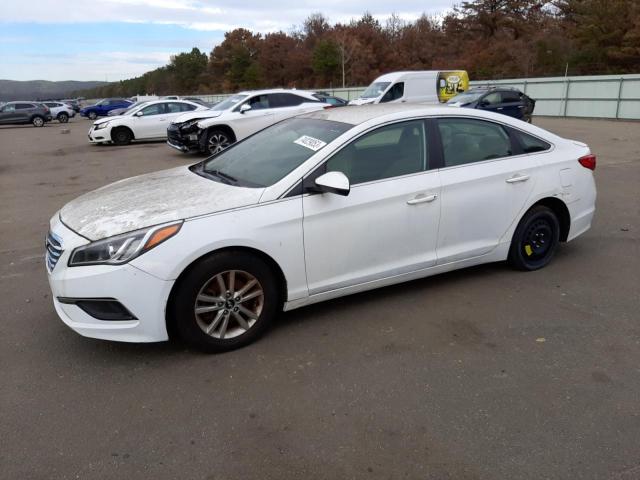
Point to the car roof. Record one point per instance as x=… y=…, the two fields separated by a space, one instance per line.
x=302 y=93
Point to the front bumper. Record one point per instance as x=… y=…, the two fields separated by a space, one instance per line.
x=184 y=142
x=99 y=136
x=142 y=294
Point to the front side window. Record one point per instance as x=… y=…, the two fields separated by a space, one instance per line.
x=466 y=140
x=259 y=102
x=155 y=109
x=228 y=102
x=9 y=108
x=394 y=93
x=390 y=151
x=491 y=99
x=375 y=90
x=268 y=156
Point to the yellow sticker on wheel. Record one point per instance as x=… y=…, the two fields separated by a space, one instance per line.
x=528 y=250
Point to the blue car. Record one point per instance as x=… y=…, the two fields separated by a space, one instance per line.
x=103 y=107
x=505 y=100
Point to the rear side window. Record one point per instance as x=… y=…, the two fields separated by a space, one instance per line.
x=24 y=106
x=468 y=141
x=510 y=96
x=286 y=100
x=529 y=143
x=387 y=152
x=394 y=93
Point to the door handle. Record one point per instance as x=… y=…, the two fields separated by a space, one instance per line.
x=500 y=108
x=422 y=198
x=517 y=178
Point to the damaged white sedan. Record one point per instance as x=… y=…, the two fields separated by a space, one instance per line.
x=312 y=208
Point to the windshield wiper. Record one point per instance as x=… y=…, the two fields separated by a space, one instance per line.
x=224 y=176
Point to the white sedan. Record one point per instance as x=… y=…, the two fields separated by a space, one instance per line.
x=147 y=121
x=312 y=208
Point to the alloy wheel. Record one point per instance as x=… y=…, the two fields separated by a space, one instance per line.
x=229 y=304
x=218 y=142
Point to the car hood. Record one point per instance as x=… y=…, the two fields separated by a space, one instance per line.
x=197 y=114
x=151 y=199
x=362 y=101
x=107 y=119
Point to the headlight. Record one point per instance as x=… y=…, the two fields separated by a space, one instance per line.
x=100 y=126
x=189 y=124
x=123 y=248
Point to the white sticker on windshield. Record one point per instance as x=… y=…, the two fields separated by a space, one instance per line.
x=310 y=142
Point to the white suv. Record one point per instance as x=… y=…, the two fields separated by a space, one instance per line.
x=60 y=111
x=147 y=121
x=237 y=117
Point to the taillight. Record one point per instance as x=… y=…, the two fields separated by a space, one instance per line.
x=588 y=161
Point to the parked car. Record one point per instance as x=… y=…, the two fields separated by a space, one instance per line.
x=238 y=116
x=72 y=103
x=60 y=111
x=505 y=100
x=147 y=121
x=103 y=107
x=331 y=99
x=120 y=111
x=425 y=86
x=25 y=112
x=312 y=208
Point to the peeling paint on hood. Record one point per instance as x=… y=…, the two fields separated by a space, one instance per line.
x=197 y=115
x=152 y=199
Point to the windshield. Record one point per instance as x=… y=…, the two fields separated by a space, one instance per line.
x=229 y=102
x=464 y=98
x=375 y=89
x=268 y=156
x=133 y=108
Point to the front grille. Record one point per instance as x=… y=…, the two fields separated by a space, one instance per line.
x=53 y=244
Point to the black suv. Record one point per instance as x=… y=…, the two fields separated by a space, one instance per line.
x=505 y=100
x=24 y=112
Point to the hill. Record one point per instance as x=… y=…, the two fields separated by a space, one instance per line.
x=42 y=89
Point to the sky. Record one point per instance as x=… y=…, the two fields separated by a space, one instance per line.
x=112 y=40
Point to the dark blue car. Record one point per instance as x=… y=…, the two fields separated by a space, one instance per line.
x=505 y=100
x=103 y=107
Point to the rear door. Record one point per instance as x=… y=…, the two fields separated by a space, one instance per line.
x=512 y=103
x=23 y=111
x=486 y=183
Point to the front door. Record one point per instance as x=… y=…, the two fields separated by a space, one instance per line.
x=258 y=117
x=152 y=123
x=388 y=223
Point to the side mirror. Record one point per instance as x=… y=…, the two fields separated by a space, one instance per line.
x=245 y=108
x=139 y=113
x=333 y=182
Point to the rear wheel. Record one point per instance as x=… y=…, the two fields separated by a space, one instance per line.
x=37 y=121
x=63 y=117
x=93 y=115
x=535 y=240
x=121 y=136
x=217 y=140
x=226 y=301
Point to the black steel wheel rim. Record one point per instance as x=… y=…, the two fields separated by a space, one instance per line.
x=538 y=239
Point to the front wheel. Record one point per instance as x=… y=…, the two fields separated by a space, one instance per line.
x=226 y=301
x=217 y=140
x=92 y=115
x=63 y=117
x=121 y=136
x=535 y=240
x=38 y=122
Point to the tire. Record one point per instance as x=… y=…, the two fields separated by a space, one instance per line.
x=121 y=136
x=38 y=121
x=201 y=303
x=63 y=117
x=217 y=141
x=92 y=115
x=535 y=240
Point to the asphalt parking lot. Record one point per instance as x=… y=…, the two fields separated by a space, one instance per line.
x=485 y=373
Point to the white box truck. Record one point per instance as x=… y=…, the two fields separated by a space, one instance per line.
x=425 y=86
